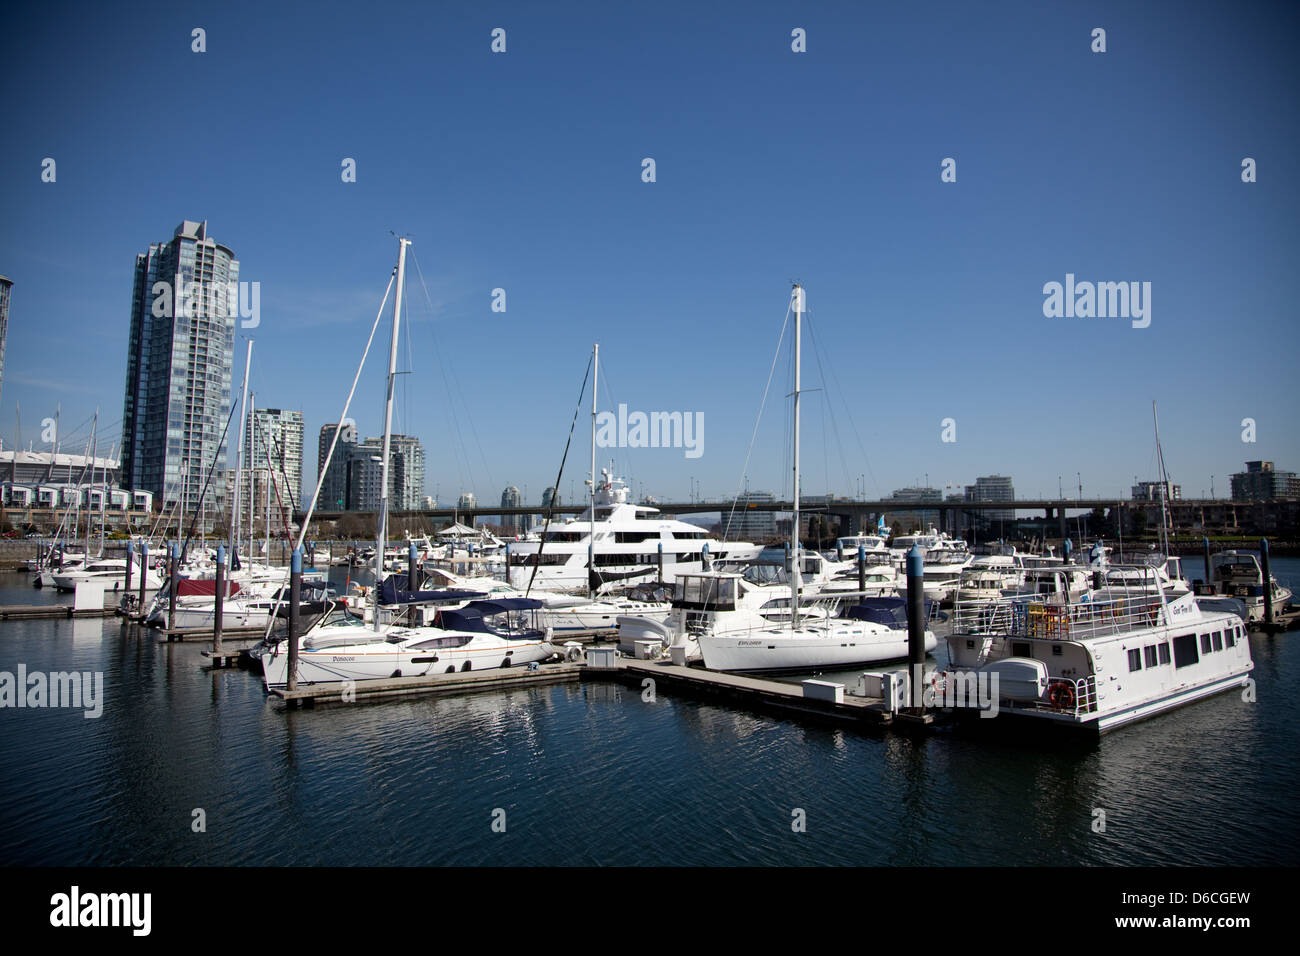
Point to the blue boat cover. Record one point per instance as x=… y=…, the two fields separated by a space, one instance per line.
x=890 y=611
x=390 y=593
x=470 y=617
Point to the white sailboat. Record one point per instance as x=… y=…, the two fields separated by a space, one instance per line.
x=342 y=646
x=729 y=643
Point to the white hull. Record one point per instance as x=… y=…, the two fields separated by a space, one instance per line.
x=381 y=660
x=804 y=650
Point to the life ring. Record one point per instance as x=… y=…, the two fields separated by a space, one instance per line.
x=1061 y=696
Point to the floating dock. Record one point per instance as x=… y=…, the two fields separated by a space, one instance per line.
x=32 y=612
x=503 y=678
x=751 y=693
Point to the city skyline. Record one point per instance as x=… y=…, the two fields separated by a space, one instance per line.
x=685 y=280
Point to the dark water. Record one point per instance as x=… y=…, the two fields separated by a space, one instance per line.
x=593 y=774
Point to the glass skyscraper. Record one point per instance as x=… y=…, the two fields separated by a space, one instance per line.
x=178 y=368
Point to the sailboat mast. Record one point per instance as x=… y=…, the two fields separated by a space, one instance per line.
x=239 y=452
x=591 y=534
x=1160 y=461
x=252 y=475
x=381 y=537
x=795 y=578
x=90 y=451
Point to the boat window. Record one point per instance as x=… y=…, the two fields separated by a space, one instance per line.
x=1185 y=650
x=1135 y=660
x=1057 y=650
x=1218 y=640
x=1205 y=643
x=1164 y=653
x=1021 y=650
x=1229 y=637
x=1149 y=654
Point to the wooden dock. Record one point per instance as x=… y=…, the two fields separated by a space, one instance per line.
x=751 y=693
x=502 y=678
x=173 y=634
x=34 y=612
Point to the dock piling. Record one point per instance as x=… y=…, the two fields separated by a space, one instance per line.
x=174 y=571
x=295 y=596
x=916 y=623
x=220 y=600
x=411 y=583
x=862 y=567
x=1205 y=551
x=144 y=573
x=1268 y=584
x=126 y=584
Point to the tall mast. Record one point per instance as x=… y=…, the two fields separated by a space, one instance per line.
x=252 y=475
x=591 y=535
x=381 y=538
x=239 y=453
x=1160 y=461
x=91 y=448
x=795 y=577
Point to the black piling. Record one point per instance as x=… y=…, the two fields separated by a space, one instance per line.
x=1268 y=584
x=916 y=624
x=144 y=571
x=173 y=575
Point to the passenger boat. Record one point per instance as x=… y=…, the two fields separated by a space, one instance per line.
x=1118 y=655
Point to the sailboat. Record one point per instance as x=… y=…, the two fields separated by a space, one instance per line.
x=343 y=646
x=731 y=641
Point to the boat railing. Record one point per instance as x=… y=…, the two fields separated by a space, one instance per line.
x=1073 y=697
x=1116 y=609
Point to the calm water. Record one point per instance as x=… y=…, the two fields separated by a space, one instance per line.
x=594 y=775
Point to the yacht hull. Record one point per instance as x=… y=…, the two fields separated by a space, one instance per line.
x=779 y=651
x=381 y=661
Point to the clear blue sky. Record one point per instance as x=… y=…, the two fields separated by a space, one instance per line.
x=522 y=171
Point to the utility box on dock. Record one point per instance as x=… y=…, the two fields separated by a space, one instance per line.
x=648 y=650
x=677 y=654
x=605 y=658
x=823 y=690
x=889 y=686
x=89 y=596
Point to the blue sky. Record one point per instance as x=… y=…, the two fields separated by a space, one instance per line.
x=522 y=171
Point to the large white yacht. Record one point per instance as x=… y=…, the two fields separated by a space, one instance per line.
x=626 y=544
x=1120 y=655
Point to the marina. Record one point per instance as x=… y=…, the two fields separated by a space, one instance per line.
x=597 y=438
x=530 y=748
